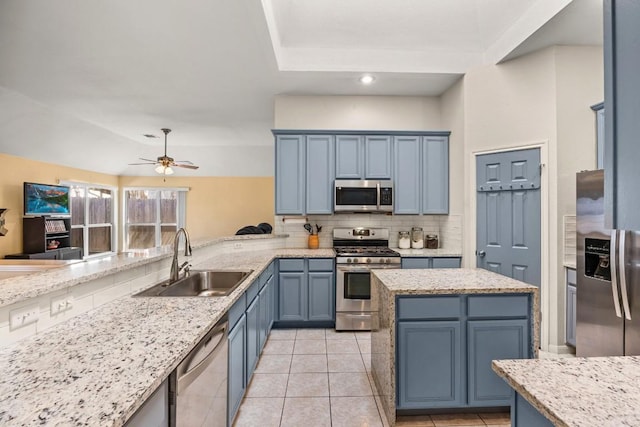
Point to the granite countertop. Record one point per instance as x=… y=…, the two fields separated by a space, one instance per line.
x=449 y=281
x=428 y=252
x=570 y=264
x=21 y=288
x=585 y=392
x=98 y=368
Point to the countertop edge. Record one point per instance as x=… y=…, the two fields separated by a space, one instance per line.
x=124 y=261
x=521 y=390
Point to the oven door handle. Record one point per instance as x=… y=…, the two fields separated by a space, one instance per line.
x=366 y=269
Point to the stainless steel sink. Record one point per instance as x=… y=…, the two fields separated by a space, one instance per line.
x=199 y=283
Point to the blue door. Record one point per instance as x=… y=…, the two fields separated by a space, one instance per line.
x=508 y=214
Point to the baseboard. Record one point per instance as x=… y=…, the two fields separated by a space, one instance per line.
x=561 y=350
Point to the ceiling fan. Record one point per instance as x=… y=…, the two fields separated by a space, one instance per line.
x=165 y=163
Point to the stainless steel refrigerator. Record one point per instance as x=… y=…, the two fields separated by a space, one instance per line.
x=608 y=274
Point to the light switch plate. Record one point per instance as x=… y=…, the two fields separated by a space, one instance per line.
x=23 y=316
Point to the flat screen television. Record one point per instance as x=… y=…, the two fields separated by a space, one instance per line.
x=46 y=199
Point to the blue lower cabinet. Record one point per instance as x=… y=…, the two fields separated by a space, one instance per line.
x=321 y=296
x=236 y=380
x=273 y=302
x=253 y=330
x=449 y=262
x=431 y=262
x=292 y=290
x=306 y=291
x=264 y=303
x=523 y=414
x=445 y=345
x=429 y=362
x=416 y=263
x=489 y=340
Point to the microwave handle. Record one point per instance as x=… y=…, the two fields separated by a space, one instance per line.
x=378 y=194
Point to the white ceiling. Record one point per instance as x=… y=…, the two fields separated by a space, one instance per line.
x=82 y=80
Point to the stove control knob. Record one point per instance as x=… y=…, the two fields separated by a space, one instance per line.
x=368 y=260
x=348 y=260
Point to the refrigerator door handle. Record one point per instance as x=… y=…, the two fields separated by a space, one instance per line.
x=613 y=249
x=623 y=276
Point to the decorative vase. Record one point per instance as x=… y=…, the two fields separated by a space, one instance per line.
x=313 y=242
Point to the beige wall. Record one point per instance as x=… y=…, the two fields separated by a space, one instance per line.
x=542 y=98
x=216 y=206
x=579 y=77
x=358 y=112
x=16 y=170
x=453 y=119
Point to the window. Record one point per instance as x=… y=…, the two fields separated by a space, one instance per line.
x=93 y=218
x=152 y=216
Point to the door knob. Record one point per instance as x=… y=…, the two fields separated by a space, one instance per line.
x=481 y=254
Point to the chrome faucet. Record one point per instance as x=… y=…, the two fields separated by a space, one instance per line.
x=175 y=270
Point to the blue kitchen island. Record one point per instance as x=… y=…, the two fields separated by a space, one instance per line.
x=436 y=332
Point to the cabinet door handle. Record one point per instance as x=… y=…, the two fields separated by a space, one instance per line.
x=481 y=254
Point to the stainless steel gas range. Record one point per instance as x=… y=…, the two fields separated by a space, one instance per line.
x=358 y=251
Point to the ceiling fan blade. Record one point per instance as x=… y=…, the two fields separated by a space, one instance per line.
x=185 y=166
x=184 y=161
x=147 y=163
x=148 y=160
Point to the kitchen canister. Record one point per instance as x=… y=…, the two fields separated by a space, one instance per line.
x=404 y=242
x=431 y=241
x=313 y=241
x=417 y=241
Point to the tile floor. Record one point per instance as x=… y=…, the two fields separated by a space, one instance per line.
x=320 y=377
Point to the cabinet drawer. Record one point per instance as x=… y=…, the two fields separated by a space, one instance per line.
x=271 y=269
x=452 y=262
x=494 y=306
x=253 y=289
x=321 y=264
x=237 y=310
x=571 y=276
x=416 y=263
x=296 y=264
x=429 y=307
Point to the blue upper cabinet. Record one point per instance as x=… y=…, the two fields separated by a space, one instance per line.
x=309 y=161
x=320 y=174
x=621 y=111
x=406 y=176
x=435 y=175
x=290 y=174
x=349 y=157
x=363 y=157
x=378 y=154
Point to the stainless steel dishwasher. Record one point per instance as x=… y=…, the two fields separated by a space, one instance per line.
x=198 y=386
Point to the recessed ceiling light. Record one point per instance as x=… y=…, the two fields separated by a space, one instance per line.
x=367 y=79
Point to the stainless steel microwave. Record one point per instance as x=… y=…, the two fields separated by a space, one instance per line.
x=363 y=196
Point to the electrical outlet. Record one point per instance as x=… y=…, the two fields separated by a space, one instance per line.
x=61 y=303
x=23 y=316
x=237 y=245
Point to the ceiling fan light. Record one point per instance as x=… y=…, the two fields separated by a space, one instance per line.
x=168 y=170
x=164 y=170
x=160 y=169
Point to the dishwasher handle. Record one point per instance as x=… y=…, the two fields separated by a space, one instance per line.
x=187 y=373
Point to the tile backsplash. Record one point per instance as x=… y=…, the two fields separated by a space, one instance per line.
x=447 y=227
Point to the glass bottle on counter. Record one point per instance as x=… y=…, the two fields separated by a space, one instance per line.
x=404 y=242
x=417 y=241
